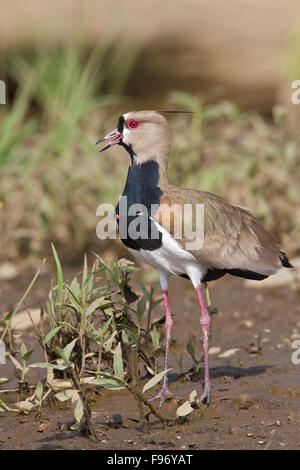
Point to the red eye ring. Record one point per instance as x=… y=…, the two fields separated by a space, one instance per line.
x=133 y=124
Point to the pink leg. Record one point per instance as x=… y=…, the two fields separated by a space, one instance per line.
x=168 y=325
x=205 y=322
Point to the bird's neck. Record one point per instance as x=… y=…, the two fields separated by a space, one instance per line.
x=144 y=183
x=148 y=167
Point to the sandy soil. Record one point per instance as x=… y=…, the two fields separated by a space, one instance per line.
x=267 y=418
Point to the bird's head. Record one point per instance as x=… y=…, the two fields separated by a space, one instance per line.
x=144 y=134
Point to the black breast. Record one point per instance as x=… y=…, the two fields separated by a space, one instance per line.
x=141 y=188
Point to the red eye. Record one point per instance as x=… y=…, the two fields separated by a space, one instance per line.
x=133 y=124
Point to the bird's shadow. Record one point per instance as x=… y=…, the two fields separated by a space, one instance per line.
x=237 y=372
x=221 y=371
x=50 y=442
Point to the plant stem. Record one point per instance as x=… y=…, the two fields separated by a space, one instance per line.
x=86 y=409
x=141 y=399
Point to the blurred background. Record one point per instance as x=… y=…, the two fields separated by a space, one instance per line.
x=72 y=67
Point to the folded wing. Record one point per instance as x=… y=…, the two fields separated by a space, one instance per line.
x=235 y=241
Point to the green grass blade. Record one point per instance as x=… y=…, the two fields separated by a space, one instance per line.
x=60 y=282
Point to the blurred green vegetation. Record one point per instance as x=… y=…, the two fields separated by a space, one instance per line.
x=291 y=64
x=52 y=178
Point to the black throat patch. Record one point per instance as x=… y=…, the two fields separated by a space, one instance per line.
x=141 y=188
x=120 y=125
x=128 y=148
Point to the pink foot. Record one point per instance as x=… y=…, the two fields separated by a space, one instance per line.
x=205 y=397
x=168 y=325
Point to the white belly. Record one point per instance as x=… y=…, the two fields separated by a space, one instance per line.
x=172 y=258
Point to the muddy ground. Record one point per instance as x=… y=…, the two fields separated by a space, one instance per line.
x=267 y=418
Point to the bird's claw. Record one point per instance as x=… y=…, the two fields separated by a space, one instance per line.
x=205 y=397
x=161 y=396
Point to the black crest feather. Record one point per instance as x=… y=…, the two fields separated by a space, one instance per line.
x=170 y=111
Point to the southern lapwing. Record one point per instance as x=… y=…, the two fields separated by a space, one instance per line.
x=234 y=241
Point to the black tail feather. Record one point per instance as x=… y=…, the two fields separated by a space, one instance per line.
x=247 y=274
x=214 y=273
x=285 y=261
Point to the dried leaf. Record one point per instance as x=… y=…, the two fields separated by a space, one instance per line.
x=42 y=427
x=118 y=362
x=193 y=396
x=25 y=405
x=184 y=409
x=228 y=353
x=151 y=371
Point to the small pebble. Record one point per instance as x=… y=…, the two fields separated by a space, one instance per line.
x=245 y=401
x=248 y=323
x=267 y=423
x=236 y=314
x=214 y=350
x=233 y=430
